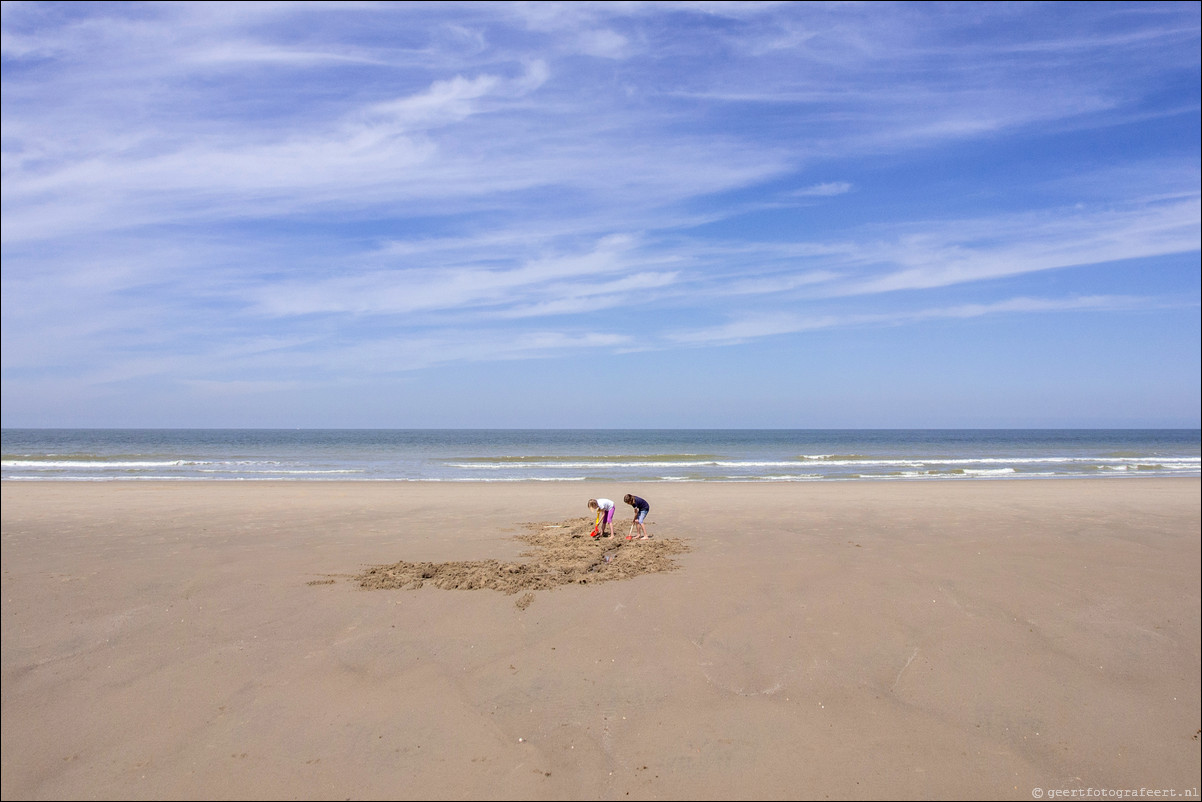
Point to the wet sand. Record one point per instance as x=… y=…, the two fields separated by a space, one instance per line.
x=857 y=640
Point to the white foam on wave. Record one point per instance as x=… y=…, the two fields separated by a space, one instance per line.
x=279 y=471
x=601 y=465
x=101 y=465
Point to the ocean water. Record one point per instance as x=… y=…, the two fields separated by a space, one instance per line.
x=578 y=455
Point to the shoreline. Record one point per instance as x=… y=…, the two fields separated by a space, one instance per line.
x=1116 y=477
x=594 y=455
x=968 y=638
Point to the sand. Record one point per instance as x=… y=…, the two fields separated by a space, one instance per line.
x=859 y=640
x=564 y=553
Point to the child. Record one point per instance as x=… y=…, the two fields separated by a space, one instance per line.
x=641 y=508
x=605 y=516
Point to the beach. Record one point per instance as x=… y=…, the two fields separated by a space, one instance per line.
x=845 y=640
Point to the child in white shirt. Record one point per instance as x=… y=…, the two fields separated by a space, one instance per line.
x=605 y=516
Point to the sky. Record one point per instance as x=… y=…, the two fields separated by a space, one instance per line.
x=601 y=215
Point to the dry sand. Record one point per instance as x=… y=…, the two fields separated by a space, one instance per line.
x=860 y=640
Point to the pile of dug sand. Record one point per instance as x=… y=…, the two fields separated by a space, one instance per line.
x=561 y=554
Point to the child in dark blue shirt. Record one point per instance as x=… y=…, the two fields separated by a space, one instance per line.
x=641 y=508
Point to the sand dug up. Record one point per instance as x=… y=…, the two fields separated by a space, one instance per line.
x=561 y=554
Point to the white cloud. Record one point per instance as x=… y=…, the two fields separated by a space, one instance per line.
x=194 y=192
x=824 y=190
x=604 y=44
x=744 y=330
x=977 y=250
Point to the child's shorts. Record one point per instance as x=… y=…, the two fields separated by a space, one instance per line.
x=639 y=518
x=609 y=516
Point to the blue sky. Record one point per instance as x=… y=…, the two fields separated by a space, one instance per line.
x=601 y=215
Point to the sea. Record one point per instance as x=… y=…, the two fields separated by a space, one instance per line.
x=595 y=455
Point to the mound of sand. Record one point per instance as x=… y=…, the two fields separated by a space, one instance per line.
x=562 y=554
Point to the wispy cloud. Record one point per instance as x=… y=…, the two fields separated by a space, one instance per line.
x=744 y=330
x=824 y=190
x=199 y=192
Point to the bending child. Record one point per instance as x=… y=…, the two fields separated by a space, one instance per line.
x=605 y=516
x=641 y=508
